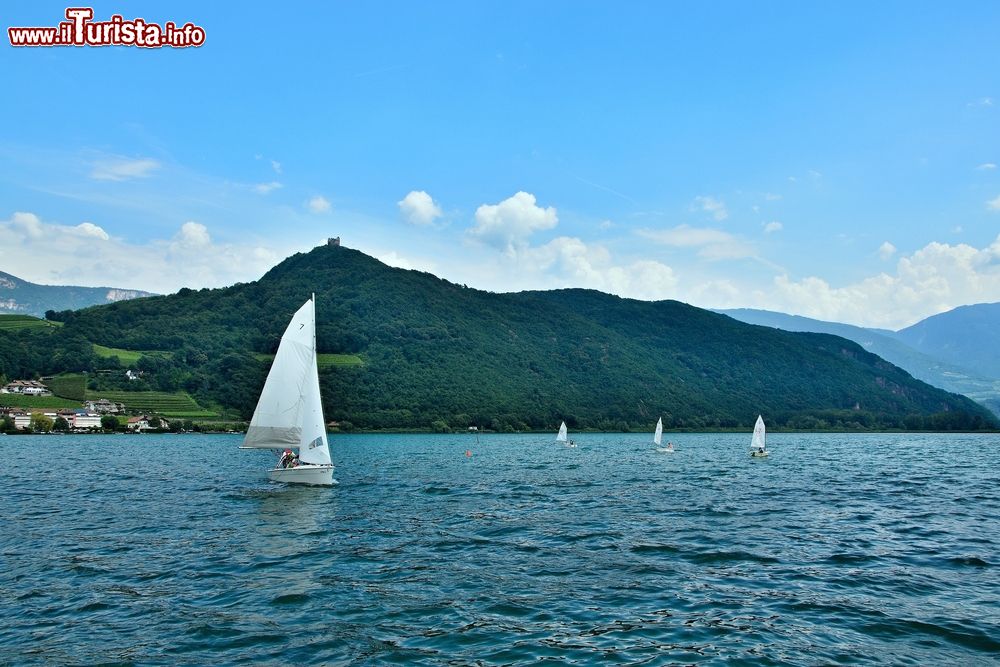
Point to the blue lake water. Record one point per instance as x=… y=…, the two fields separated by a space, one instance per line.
x=838 y=549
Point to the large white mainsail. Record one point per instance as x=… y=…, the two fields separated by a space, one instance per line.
x=289 y=413
x=562 y=433
x=757 y=443
x=658 y=435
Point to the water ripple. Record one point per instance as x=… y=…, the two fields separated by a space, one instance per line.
x=839 y=549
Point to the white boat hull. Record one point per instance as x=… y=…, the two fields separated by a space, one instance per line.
x=759 y=454
x=314 y=475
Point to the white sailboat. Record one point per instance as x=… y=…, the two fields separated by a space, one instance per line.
x=563 y=436
x=757 y=445
x=289 y=414
x=658 y=438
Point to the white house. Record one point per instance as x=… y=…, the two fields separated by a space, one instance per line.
x=141 y=423
x=86 y=420
x=26 y=387
x=22 y=420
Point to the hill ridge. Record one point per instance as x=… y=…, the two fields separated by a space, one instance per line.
x=436 y=353
x=22 y=297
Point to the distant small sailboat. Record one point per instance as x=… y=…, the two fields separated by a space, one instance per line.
x=658 y=438
x=563 y=436
x=757 y=446
x=289 y=413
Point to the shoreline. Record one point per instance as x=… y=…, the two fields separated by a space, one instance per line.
x=494 y=433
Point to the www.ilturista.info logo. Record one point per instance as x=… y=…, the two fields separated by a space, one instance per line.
x=81 y=30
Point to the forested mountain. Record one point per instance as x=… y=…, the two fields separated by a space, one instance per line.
x=968 y=336
x=944 y=358
x=20 y=297
x=436 y=352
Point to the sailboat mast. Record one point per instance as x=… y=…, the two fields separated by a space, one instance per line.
x=316 y=361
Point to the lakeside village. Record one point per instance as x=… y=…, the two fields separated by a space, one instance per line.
x=93 y=415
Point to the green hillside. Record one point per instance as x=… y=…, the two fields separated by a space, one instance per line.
x=127 y=357
x=178 y=404
x=19 y=401
x=436 y=351
x=18 y=322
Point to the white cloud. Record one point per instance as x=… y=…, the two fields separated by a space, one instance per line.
x=393 y=258
x=773 y=226
x=507 y=225
x=936 y=278
x=994 y=204
x=712 y=244
x=85 y=254
x=267 y=188
x=770 y=196
x=119 y=168
x=192 y=235
x=986 y=166
x=569 y=262
x=276 y=166
x=713 y=206
x=90 y=229
x=27 y=224
x=981 y=102
x=605 y=225
x=419 y=208
x=319 y=204
x=886 y=250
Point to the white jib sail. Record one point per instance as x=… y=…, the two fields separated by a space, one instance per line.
x=658 y=436
x=289 y=412
x=758 y=434
x=562 y=433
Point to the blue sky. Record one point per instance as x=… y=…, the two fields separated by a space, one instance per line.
x=837 y=161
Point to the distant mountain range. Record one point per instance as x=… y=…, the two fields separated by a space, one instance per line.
x=21 y=297
x=958 y=350
x=433 y=354
x=967 y=336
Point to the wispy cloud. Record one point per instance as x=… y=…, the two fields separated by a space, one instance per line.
x=712 y=244
x=994 y=204
x=886 y=250
x=267 y=188
x=981 y=102
x=715 y=207
x=773 y=226
x=120 y=168
x=319 y=204
x=986 y=166
x=606 y=189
